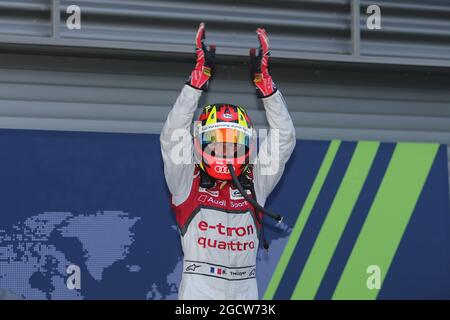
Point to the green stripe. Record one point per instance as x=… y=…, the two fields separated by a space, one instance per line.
x=301 y=220
x=388 y=217
x=336 y=220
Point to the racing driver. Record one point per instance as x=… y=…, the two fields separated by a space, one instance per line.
x=217 y=191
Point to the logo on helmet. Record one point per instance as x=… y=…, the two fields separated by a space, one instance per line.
x=221 y=169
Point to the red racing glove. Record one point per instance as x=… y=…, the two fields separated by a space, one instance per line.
x=205 y=61
x=259 y=66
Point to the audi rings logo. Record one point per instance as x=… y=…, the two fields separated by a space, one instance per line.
x=221 y=169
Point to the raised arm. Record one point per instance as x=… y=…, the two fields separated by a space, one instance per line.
x=277 y=147
x=175 y=138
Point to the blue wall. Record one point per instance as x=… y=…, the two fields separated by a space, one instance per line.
x=99 y=201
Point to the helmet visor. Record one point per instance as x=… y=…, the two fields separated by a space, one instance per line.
x=225 y=135
x=224 y=140
x=224 y=132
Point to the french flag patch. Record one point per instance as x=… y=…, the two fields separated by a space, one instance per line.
x=216 y=270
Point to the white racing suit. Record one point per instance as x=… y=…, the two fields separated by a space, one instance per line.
x=219 y=229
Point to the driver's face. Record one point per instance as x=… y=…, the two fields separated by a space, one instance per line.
x=224 y=149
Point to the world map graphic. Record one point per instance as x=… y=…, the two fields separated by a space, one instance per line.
x=35 y=255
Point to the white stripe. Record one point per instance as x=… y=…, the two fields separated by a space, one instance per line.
x=226 y=125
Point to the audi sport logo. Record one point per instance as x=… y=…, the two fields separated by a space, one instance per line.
x=222 y=169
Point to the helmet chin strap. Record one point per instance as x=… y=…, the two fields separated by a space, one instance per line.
x=238 y=185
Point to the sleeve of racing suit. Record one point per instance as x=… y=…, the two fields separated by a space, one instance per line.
x=176 y=144
x=276 y=149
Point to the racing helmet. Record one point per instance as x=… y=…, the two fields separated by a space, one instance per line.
x=223 y=135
